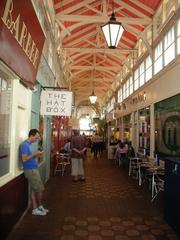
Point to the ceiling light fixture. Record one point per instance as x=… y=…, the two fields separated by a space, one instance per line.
x=112 y=30
x=93 y=97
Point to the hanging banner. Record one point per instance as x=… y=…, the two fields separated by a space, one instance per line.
x=56 y=103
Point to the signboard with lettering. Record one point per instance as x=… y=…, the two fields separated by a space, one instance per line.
x=21 y=38
x=56 y=103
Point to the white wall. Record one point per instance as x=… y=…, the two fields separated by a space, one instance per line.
x=20 y=121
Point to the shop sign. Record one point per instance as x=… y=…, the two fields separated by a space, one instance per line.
x=109 y=117
x=21 y=38
x=138 y=99
x=56 y=103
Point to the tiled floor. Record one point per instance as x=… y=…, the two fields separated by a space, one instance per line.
x=109 y=206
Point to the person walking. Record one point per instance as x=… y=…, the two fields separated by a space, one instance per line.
x=78 y=149
x=31 y=171
x=96 y=144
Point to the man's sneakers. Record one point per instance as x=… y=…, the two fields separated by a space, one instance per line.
x=43 y=209
x=40 y=211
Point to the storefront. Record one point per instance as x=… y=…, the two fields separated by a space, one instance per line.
x=154 y=113
x=167 y=127
x=21 y=41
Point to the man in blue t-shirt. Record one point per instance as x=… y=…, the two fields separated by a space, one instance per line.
x=31 y=171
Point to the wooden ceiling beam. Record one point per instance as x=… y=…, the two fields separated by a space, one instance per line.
x=102 y=50
x=132 y=9
x=102 y=19
x=100 y=68
x=143 y=6
x=99 y=79
x=76 y=6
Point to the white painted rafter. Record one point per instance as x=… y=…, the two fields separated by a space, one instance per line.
x=101 y=19
x=143 y=6
x=132 y=9
x=92 y=50
x=83 y=44
x=77 y=6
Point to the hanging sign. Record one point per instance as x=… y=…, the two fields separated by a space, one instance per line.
x=56 y=103
x=21 y=38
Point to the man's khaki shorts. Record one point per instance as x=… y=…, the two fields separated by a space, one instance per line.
x=34 y=180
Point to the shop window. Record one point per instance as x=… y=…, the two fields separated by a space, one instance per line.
x=124 y=91
x=120 y=98
x=127 y=88
x=158 y=60
x=148 y=70
x=127 y=127
x=144 y=129
x=110 y=105
x=141 y=74
x=130 y=85
x=169 y=46
x=178 y=37
x=136 y=79
x=5 y=117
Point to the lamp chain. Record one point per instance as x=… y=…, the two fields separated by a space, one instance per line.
x=112 y=6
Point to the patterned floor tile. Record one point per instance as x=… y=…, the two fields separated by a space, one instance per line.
x=93 y=228
x=108 y=206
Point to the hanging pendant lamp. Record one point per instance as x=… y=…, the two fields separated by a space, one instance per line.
x=112 y=31
x=92 y=98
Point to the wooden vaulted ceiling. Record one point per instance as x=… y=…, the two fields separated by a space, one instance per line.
x=89 y=62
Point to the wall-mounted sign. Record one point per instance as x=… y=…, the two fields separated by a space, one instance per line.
x=138 y=99
x=21 y=38
x=56 y=103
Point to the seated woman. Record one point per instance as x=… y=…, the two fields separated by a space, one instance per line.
x=67 y=146
x=121 y=153
x=131 y=152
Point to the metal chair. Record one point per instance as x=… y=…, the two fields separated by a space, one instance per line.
x=157 y=184
x=135 y=168
x=62 y=161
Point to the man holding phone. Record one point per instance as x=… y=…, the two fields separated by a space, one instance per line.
x=31 y=171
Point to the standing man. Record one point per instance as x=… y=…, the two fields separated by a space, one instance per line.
x=31 y=171
x=78 y=148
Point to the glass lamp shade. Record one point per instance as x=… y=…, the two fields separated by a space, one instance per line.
x=93 y=98
x=112 y=31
